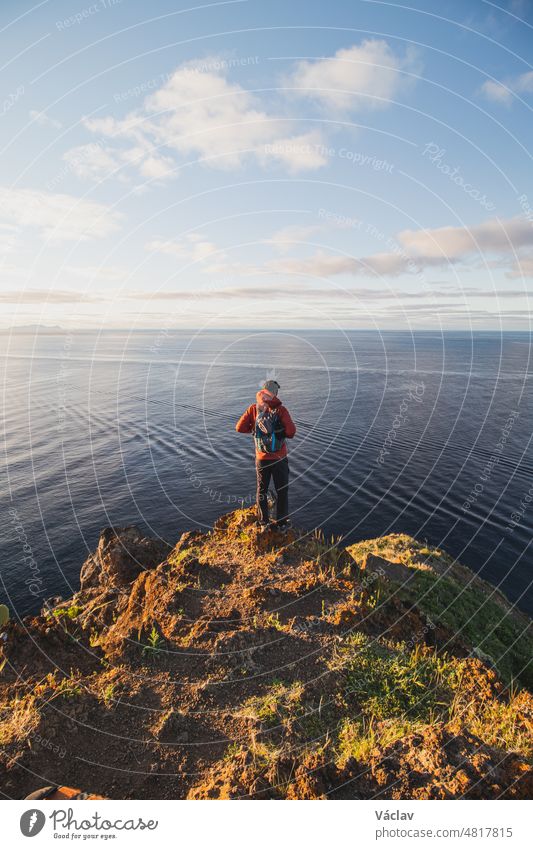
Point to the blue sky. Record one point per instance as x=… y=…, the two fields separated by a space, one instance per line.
x=250 y=164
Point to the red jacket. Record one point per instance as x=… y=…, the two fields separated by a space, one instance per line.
x=246 y=423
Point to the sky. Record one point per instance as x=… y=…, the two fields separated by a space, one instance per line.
x=341 y=164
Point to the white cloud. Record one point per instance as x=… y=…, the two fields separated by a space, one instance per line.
x=193 y=248
x=331 y=265
x=157 y=167
x=57 y=217
x=92 y=161
x=8 y=238
x=97 y=162
x=453 y=243
x=524 y=83
x=233 y=269
x=522 y=268
x=497 y=92
x=283 y=239
x=319 y=265
x=441 y=246
x=365 y=76
x=44 y=296
x=386 y=264
x=303 y=292
x=300 y=153
x=44 y=120
x=202 y=114
x=109 y=273
x=504 y=92
x=413 y=251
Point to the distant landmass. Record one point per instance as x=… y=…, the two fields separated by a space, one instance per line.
x=33 y=328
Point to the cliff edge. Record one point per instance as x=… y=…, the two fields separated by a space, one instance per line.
x=246 y=665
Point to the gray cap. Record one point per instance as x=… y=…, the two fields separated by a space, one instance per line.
x=271 y=386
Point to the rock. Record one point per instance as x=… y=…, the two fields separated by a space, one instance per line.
x=447 y=763
x=169 y=727
x=122 y=554
x=188 y=539
x=483 y=656
x=228 y=622
x=386 y=569
x=50 y=603
x=433 y=564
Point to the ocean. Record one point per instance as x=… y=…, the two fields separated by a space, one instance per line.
x=426 y=433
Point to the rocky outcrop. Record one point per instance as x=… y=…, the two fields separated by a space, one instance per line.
x=121 y=555
x=241 y=664
x=449 y=763
x=396 y=572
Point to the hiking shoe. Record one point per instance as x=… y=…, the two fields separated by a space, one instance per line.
x=283 y=526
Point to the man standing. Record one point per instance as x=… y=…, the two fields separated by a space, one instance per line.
x=271 y=425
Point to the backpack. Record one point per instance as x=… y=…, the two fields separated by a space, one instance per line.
x=269 y=435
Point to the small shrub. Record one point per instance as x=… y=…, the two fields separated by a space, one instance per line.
x=155 y=643
x=232 y=751
x=18 y=719
x=108 y=695
x=68 y=689
x=71 y=612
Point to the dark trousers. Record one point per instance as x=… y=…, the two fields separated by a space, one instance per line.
x=279 y=471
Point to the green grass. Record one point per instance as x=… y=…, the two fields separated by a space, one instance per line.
x=397 y=691
x=358 y=738
x=390 y=681
x=501 y=724
x=329 y=556
x=232 y=751
x=480 y=621
x=108 y=695
x=68 y=688
x=280 y=702
x=273 y=621
x=192 y=551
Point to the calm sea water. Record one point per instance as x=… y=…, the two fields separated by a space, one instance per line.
x=395 y=433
